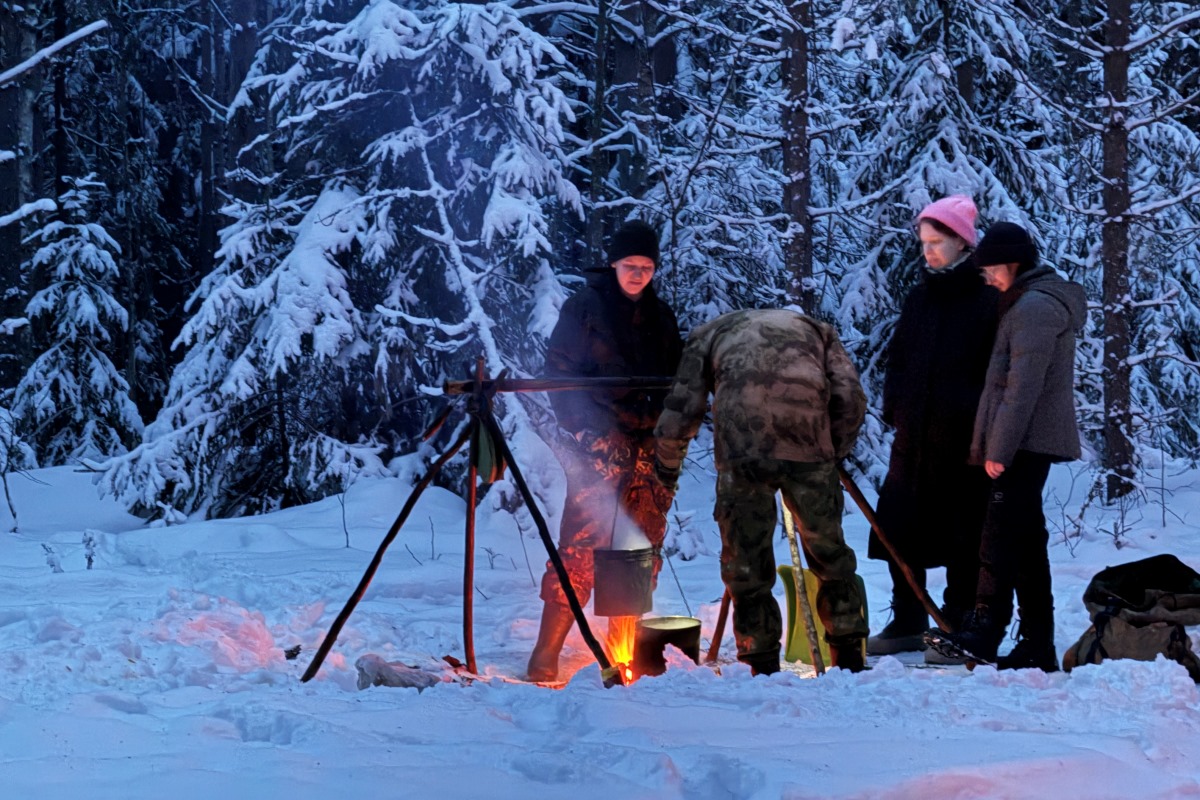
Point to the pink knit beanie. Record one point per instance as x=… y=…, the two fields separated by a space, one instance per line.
x=957 y=212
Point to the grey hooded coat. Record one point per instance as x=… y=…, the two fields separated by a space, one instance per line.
x=1028 y=400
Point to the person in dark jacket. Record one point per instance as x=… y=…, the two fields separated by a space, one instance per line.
x=1025 y=422
x=931 y=503
x=787 y=407
x=615 y=327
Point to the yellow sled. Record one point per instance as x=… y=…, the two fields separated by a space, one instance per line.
x=796 y=647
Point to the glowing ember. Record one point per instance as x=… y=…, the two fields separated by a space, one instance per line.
x=621 y=633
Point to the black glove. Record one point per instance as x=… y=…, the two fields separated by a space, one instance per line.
x=669 y=478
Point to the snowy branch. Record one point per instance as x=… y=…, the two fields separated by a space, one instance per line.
x=45 y=204
x=37 y=58
x=220 y=112
x=1164 y=113
x=1162 y=31
x=1157 y=205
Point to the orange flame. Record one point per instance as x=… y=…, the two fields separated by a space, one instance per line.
x=621 y=633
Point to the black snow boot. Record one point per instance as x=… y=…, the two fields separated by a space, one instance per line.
x=847 y=655
x=955 y=617
x=1035 y=643
x=556 y=624
x=978 y=639
x=761 y=663
x=899 y=636
x=1030 y=654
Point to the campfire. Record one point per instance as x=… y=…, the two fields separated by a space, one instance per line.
x=622 y=632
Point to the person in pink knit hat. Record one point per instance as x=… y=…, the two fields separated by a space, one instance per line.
x=931 y=504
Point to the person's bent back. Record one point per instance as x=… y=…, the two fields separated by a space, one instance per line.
x=787 y=406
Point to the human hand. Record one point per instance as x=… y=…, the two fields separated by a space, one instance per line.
x=993 y=468
x=586 y=439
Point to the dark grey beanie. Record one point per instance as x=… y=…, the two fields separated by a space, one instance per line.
x=635 y=238
x=1007 y=243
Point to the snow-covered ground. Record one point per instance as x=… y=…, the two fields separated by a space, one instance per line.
x=161 y=672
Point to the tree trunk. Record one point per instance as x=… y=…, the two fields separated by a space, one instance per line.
x=60 y=104
x=598 y=160
x=18 y=42
x=1114 y=237
x=632 y=73
x=797 y=180
x=208 y=223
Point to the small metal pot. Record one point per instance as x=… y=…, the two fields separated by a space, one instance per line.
x=655 y=633
x=624 y=582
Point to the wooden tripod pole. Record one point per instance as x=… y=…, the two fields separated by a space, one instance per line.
x=857 y=495
x=422 y=485
x=610 y=675
x=474 y=404
x=714 y=649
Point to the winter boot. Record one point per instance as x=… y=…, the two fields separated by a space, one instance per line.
x=761 y=663
x=1035 y=643
x=1030 y=654
x=903 y=634
x=956 y=617
x=556 y=624
x=909 y=620
x=847 y=655
x=978 y=640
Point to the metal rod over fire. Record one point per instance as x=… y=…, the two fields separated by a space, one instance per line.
x=503 y=384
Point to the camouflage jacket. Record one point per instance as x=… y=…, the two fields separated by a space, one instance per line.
x=783 y=387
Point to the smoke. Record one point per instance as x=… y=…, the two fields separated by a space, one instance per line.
x=626 y=533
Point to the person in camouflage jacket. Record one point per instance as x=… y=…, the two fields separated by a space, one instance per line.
x=787 y=406
x=615 y=327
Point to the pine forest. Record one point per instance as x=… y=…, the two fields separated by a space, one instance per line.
x=243 y=243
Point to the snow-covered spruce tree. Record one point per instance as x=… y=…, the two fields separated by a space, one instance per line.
x=956 y=113
x=398 y=232
x=117 y=129
x=715 y=166
x=1132 y=203
x=749 y=171
x=15 y=456
x=72 y=402
x=621 y=54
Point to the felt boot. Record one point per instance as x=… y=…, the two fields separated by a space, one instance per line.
x=556 y=624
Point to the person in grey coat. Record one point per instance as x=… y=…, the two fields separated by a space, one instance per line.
x=1024 y=423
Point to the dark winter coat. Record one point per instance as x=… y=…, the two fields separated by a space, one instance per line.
x=602 y=333
x=1029 y=399
x=931 y=502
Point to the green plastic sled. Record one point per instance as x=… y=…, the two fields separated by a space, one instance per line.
x=796 y=647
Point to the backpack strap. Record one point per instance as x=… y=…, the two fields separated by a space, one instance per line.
x=1096 y=653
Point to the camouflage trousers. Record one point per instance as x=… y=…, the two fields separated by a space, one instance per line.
x=747 y=516
x=610 y=485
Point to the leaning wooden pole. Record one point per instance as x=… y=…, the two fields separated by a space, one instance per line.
x=357 y=594
x=610 y=674
x=858 y=497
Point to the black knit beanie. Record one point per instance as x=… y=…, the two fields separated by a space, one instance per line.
x=635 y=238
x=1007 y=243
